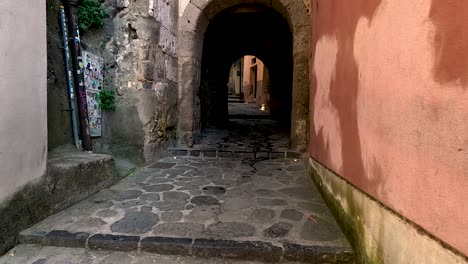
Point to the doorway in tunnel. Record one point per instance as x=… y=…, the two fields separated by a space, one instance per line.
x=216 y=35
x=249 y=89
x=257 y=42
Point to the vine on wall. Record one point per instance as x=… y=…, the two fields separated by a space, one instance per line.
x=107 y=100
x=90 y=15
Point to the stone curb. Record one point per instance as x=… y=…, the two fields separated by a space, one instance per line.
x=213 y=153
x=60 y=238
x=317 y=254
x=113 y=242
x=205 y=248
x=166 y=245
x=247 y=250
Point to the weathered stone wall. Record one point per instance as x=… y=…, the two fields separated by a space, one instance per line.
x=138 y=43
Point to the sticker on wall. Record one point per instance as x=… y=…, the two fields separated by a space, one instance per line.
x=94 y=113
x=93 y=71
x=94 y=78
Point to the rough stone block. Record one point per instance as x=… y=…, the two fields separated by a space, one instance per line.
x=262 y=155
x=190 y=73
x=166 y=11
x=178 y=152
x=145 y=71
x=71 y=177
x=190 y=45
x=172 y=69
x=144 y=53
x=61 y=238
x=113 y=242
x=78 y=175
x=161 y=69
x=214 y=7
x=209 y=153
x=193 y=19
x=168 y=42
x=30 y=236
x=266 y=3
x=195 y=153
x=166 y=245
x=317 y=254
x=148 y=29
x=243 y=154
x=277 y=155
x=281 y=5
x=225 y=154
x=201 y=4
x=248 y=250
x=121 y=4
x=298 y=13
x=301 y=39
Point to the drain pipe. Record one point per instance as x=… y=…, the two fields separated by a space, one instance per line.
x=71 y=7
x=68 y=69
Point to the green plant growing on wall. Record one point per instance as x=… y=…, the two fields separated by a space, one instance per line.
x=107 y=100
x=90 y=15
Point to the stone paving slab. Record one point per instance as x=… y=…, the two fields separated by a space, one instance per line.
x=33 y=254
x=252 y=135
x=246 y=109
x=260 y=209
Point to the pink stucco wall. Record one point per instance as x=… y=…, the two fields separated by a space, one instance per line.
x=389 y=105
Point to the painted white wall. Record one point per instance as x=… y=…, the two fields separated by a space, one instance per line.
x=23 y=89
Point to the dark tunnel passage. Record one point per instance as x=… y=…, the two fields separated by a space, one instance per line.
x=233 y=33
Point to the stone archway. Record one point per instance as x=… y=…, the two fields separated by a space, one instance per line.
x=192 y=27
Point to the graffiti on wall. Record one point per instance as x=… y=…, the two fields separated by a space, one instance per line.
x=93 y=75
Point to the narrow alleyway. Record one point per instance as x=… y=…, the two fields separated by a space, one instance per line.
x=261 y=208
x=248 y=130
x=233 y=132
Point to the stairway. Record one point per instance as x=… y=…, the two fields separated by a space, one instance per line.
x=233 y=98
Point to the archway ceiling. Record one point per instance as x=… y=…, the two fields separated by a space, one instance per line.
x=248 y=30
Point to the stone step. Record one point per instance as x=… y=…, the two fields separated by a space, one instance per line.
x=256 y=210
x=204 y=248
x=214 y=153
x=230 y=100
x=71 y=177
x=243 y=116
x=34 y=254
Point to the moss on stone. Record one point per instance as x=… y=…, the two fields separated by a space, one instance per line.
x=351 y=223
x=26 y=207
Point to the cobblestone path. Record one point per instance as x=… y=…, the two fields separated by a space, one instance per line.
x=244 y=208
